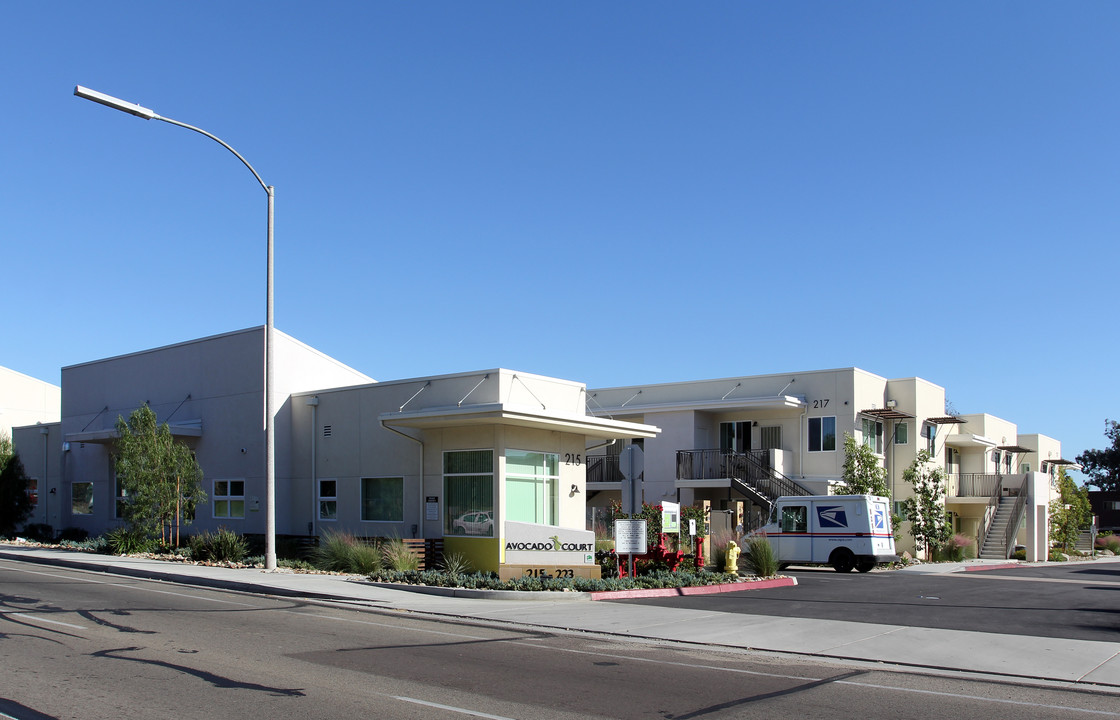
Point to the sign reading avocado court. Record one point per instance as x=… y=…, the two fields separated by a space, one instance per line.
x=545 y=551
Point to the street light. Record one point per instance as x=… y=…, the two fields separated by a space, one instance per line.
x=269 y=411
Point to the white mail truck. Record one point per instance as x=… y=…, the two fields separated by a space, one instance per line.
x=844 y=531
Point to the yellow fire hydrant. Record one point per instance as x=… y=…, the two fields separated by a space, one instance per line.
x=732 y=563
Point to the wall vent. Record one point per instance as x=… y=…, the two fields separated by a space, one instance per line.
x=326 y=431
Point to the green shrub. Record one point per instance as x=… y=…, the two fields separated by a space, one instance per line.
x=956 y=549
x=1020 y=554
x=128 y=541
x=456 y=564
x=74 y=534
x=99 y=544
x=1056 y=555
x=342 y=552
x=39 y=532
x=221 y=546
x=758 y=557
x=399 y=556
x=1109 y=542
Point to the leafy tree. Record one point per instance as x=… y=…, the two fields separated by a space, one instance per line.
x=926 y=510
x=6 y=451
x=863 y=475
x=1103 y=466
x=160 y=477
x=15 y=503
x=1071 y=514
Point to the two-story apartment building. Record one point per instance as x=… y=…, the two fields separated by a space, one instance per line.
x=751 y=439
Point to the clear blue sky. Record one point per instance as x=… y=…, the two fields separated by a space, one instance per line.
x=615 y=193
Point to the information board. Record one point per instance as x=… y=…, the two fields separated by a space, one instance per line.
x=630 y=537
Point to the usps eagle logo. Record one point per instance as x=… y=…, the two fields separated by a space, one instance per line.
x=879 y=517
x=832 y=516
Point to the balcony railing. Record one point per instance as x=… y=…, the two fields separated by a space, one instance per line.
x=974 y=485
x=752 y=468
x=603 y=468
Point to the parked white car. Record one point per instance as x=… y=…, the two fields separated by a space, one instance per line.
x=473 y=523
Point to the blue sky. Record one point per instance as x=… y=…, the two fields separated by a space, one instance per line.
x=615 y=193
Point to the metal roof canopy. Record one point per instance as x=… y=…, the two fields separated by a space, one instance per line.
x=1014 y=448
x=946 y=420
x=886 y=414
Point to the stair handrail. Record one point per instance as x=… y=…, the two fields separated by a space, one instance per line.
x=989 y=515
x=1016 y=517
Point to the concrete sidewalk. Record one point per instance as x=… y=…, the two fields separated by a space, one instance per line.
x=1015 y=656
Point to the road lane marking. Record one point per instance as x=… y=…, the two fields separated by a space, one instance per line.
x=36 y=618
x=452 y=708
x=1019 y=578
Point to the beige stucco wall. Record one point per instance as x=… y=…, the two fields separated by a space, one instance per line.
x=25 y=400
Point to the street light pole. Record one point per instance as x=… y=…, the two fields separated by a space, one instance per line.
x=269 y=401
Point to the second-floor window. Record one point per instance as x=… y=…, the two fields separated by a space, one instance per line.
x=822 y=434
x=873 y=435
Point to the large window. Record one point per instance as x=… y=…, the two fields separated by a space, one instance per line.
x=81 y=498
x=33 y=491
x=328 y=499
x=383 y=499
x=532 y=483
x=873 y=435
x=229 y=498
x=822 y=434
x=901 y=434
x=468 y=492
x=929 y=432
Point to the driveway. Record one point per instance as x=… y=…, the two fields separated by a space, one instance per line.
x=1076 y=601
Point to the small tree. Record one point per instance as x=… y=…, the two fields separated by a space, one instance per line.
x=863 y=475
x=1071 y=514
x=926 y=510
x=160 y=477
x=6 y=450
x=15 y=503
x=1103 y=466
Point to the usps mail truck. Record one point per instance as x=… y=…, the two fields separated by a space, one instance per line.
x=844 y=531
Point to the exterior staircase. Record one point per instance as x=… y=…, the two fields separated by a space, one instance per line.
x=995 y=545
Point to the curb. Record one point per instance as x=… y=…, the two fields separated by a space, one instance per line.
x=694 y=590
x=980 y=568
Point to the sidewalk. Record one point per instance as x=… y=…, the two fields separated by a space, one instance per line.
x=1034 y=658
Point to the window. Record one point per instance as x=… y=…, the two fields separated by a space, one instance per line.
x=901 y=434
x=1026 y=467
x=772 y=438
x=822 y=434
x=81 y=498
x=873 y=435
x=468 y=492
x=532 y=484
x=735 y=436
x=995 y=459
x=1007 y=463
x=795 y=519
x=383 y=499
x=929 y=432
x=33 y=491
x=328 y=499
x=229 y=498
x=121 y=498
x=1112 y=504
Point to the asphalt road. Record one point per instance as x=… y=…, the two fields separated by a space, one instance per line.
x=85 y=645
x=1063 y=600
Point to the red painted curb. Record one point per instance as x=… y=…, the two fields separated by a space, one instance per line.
x=978 y=568
x=696 y=590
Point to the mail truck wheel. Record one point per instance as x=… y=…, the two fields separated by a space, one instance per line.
x=865 y=565
x=842 y=560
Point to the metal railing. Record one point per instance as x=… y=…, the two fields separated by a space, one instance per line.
x=1016 y=516
x=973 y=484
x=603 y=468
x=751 y=467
